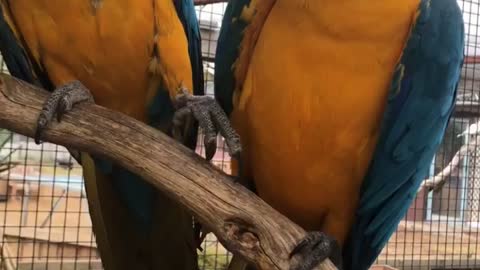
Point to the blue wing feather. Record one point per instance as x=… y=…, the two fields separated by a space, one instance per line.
x=413 y=126
x=13 y=54
x=229 y=39
x=188 y=17
x=17 y=57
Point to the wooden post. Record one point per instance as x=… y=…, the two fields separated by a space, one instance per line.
x=243 y=223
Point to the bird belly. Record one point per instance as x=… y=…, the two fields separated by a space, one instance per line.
x=310 y=109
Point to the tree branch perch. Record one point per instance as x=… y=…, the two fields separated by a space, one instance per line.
x=440 y=178
x=437 y=181
x=242 y=221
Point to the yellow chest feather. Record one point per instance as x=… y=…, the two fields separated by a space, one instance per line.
x=314 y=94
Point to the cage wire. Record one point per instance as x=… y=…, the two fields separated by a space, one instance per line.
x=45 y=222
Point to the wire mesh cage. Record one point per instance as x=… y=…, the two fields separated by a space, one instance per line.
x=45 y=223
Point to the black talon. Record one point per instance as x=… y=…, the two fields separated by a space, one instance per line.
x=211 y=118
x=314 y=249
x=180 y=120
x=60 y=102
x=61 y=109
x=41 y=123
x=210 y=143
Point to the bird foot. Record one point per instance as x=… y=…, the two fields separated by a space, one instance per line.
x=314 y=249
x=60 y=101
x=211 y=118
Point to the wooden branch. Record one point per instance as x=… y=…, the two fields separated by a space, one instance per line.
x=440 y=178
x=242 y=221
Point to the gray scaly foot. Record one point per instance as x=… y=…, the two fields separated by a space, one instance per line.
x=61 y=101
x=211 y=118
x=314 y=249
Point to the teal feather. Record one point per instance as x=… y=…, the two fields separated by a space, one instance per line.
x=413 y=127
x=17 y=58
x=229 y=39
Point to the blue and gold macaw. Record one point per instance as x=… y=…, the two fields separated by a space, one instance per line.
x=340 y=107
x=141 y=58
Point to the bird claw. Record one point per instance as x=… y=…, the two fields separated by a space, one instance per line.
x=61 y=101
x=211 y=118
x=314 y=249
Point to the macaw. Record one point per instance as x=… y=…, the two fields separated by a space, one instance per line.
x=340 y=107
x=141 y=58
